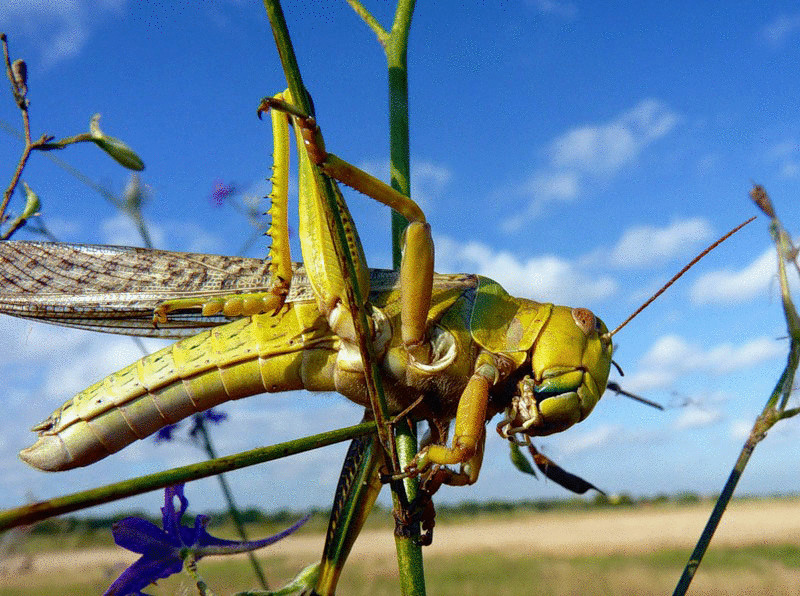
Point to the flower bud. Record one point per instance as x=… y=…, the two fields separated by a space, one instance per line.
x=760 y=198
x=20 y=72
x=118 y=150
x=134 y=195
x=32 y=203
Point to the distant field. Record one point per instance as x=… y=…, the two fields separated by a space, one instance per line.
x=623 y=551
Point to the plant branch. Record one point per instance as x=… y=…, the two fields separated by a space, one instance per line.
x=354 y=300
x=371 y=22
x=29 y=514
x=775 y=408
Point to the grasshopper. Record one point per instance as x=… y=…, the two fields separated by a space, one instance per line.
x=455 y=347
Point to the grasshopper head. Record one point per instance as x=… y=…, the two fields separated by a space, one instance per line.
x=570 y=362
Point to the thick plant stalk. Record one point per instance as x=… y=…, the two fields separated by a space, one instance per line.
x=404 y=443
x=395 y=45
x=301 y=98
x=409 y=552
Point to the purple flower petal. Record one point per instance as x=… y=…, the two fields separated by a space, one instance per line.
x=221 y=191
x=166 y=433
x=143 y=573
x=171 y=519
x=141 y=536
x=214 y=416
x=210 y=545
x=163 y=550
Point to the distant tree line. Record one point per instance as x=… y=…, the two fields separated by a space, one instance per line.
x=254 y=516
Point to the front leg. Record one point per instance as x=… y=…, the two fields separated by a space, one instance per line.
x=469 y=433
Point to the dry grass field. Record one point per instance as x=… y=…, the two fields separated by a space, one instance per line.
x=638 y=550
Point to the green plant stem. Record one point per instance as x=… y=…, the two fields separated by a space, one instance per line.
x=774 y=409
x=28 y=514
x=407 y=544
x=758 y=432
x=408 y=549
x=371 y=21
x=354 y=299
x=236 y=515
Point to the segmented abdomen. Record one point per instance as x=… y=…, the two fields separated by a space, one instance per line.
x=240 y=359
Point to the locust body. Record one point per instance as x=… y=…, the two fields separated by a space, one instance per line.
x=449 y=347
x=292 y=349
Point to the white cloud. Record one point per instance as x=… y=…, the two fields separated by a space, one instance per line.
x=606 y=435
x=672 y=356
x=675 y=352
x=591 y=151
x=783 y=149
x=566 y=10
x=594 y=149
x=780 y=29
x=62 y=227
x=121 y=230
x=182 y=235
x=727 y=286
x=601 y=436
x=605 y=148
x=542 y=188
x=790 y=169
x=61 y=27
x=556 y=186
x=429 y=179
x=787 y=156
x=740 y=429
x=647 y=245
x=648 y=379
x=26 y=340
x=100 y=355
x=695 y=417
x=546 y=278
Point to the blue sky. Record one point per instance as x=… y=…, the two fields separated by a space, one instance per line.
x=575 y=153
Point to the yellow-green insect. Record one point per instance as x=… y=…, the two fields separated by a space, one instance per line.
x=457 y=346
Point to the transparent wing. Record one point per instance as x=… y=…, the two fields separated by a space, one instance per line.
x=115 y=289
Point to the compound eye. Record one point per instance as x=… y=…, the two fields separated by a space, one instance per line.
x=585 y=320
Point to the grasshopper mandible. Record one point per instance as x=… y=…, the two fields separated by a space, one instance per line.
x=457 y=346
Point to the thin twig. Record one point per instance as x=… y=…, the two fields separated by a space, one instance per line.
x=371 y=22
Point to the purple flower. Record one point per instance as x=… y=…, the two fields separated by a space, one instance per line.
x=215 y=417
x=211 y=415
x=221 y=191
x=166 y=433
x=199 y=421
x=164 y=550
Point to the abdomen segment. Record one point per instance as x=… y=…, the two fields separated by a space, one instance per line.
x=258 y=354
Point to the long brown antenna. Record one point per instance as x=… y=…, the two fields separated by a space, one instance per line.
x=679 y=273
